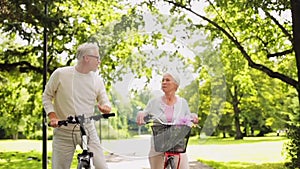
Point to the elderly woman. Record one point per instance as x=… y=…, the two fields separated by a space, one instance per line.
x=169 y=108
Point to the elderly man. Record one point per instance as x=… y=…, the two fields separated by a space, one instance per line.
x=75 y=90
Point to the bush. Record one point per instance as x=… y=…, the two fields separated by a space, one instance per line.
x=292 y=147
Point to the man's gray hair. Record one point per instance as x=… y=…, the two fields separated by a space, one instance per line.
x=86 y=49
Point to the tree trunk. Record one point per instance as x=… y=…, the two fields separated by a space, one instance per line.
x=15 y=136
x=224 y=133
x=239 y=134
x=236 y=110
x=252 y=131
x=245 y=132
x=295 y=5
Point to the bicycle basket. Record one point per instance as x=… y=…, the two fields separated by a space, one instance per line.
x=170 y=138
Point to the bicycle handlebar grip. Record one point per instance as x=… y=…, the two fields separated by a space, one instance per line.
x=59 y=123
x=108 y=115
x=63 y=122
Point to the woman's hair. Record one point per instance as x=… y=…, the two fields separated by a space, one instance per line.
x=175 y=76
x=86 y=49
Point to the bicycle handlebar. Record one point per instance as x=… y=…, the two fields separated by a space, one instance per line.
x=81 y=119
x=150 y=117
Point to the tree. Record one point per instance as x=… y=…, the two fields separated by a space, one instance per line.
x=251 y=26
x=68 y=24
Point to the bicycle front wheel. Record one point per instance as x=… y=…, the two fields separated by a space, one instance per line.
x=83 y=165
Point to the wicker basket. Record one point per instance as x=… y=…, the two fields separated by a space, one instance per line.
x=171 y=138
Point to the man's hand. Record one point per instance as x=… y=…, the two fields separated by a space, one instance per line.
x=104 y=108
x=140 y=118
x=53 y=120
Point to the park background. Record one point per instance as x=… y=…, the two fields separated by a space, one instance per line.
x=238 y=63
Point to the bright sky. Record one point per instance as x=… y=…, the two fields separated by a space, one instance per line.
x=182 y=39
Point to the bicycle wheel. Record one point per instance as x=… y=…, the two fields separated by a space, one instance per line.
x=83 y=165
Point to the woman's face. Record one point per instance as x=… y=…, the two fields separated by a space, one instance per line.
x=168 y=84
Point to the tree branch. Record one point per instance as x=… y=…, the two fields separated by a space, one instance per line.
x=251 y=63
x=280 y=26
x=23 y=66
x=280 y=53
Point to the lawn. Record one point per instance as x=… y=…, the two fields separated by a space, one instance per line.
x=24 y=154
x=250 y=153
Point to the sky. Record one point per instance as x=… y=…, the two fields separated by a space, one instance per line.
x=182 y=39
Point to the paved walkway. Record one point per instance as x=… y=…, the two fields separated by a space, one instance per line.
x=115 y=162
x=143 y=164
x=133 y=154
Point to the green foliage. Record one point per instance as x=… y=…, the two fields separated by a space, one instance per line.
x=20 y=104
x=256 y=34
x=292 y=149
x=68 y=23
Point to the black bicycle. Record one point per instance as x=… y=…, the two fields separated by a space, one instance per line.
x=85 y=159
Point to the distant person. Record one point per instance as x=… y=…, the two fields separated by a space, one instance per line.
x=75 y=90
x=168 y=108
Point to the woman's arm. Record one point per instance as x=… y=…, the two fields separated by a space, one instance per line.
x=194 y=116
x=142 y=114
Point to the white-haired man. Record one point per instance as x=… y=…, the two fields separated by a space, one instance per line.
x=75 y=90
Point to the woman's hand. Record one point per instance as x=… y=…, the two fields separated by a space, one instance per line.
x=195 y=118
x=140 y=118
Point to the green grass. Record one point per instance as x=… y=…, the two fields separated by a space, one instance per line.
x=26 y=160
x=249 y=153
x=20 y=160
x=244 y=165
x=25 y=154
x=231 y=140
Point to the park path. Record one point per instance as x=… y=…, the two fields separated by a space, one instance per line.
x=133 y=154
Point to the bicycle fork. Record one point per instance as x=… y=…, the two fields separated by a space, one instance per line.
x=169 y=160
x=86 y=156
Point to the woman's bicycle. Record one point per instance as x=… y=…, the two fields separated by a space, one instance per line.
x=170 y=139
x=85 y=158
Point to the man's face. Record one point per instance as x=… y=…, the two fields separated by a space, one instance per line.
x=93 y=60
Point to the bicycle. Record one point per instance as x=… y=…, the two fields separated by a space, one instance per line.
x=85 y=159
x=170 y=139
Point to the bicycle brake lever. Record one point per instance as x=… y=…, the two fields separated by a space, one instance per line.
x=148 y=117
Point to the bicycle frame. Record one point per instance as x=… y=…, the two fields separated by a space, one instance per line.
x=85 y=159
x=169 y=160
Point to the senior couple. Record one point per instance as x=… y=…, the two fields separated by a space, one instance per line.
x=73 y=90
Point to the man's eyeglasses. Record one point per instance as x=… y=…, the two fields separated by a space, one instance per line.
x=97 y=57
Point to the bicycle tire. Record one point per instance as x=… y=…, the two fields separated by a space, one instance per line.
x=83 y=165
